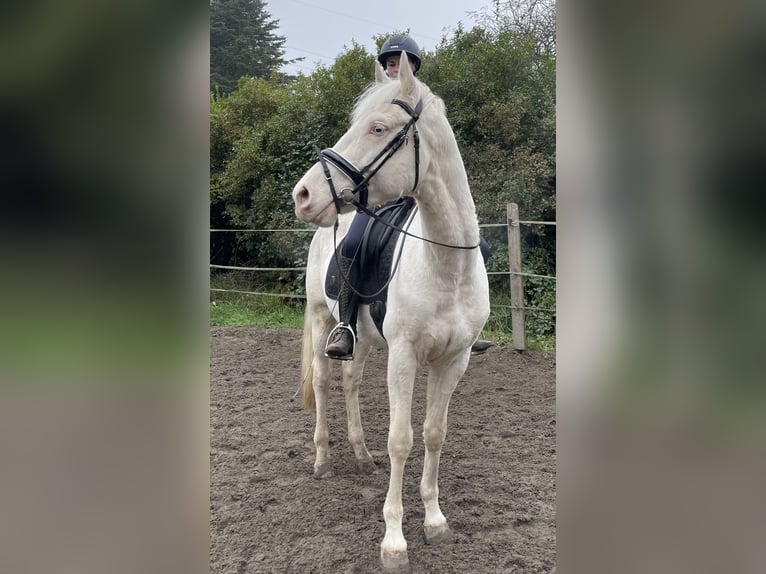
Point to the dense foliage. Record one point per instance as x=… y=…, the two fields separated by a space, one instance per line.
x=242 y=42
x=500 y=95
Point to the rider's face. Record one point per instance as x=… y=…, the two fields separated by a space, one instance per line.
x=392 y=66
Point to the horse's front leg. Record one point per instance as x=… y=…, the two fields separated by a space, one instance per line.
x=352 y=378
x=441 y=384
x=401 y=378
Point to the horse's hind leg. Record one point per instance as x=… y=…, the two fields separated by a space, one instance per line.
x=321 y=382
x=352 y=378
x=441 y=384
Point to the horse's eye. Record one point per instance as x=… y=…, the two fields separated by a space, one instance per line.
x=377 y=129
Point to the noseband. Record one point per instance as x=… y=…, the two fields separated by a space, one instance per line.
x=362 y=177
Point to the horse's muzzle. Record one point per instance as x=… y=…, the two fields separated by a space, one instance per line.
x=301 y=197
x=308 y=209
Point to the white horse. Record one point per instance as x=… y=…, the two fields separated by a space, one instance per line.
x=438 y=299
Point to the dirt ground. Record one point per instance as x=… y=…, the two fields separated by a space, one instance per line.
x=496 y=479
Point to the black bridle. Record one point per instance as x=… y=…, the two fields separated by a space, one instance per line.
x=361 y=177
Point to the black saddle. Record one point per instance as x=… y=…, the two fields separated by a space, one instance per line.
x=374 y=261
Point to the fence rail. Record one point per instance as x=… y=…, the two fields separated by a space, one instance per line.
x=261 y=230
x=283 y=295
x=514 y=273
x=257 y=268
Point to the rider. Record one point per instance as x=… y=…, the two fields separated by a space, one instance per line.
x=340 y=344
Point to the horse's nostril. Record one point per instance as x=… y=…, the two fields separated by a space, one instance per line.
x=302 y=196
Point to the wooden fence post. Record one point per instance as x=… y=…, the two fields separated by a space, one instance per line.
x=517 y=281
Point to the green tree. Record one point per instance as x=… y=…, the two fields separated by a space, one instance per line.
x=243 y=42
x=500 y=97
x=262 y=138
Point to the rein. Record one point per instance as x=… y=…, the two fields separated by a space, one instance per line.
x=407 y=233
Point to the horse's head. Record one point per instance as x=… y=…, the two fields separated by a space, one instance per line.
x=378 y=159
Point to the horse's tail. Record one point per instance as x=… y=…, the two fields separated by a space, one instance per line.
x=308 y=400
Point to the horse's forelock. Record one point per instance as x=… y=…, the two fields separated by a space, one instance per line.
x=374 y=96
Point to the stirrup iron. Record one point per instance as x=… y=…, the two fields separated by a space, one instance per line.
x=339 y=327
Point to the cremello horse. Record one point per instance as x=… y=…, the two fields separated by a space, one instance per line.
x=438 y=299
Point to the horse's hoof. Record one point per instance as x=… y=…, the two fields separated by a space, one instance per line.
x=438 y=534
x=365 y=466
x=395 y=562
x=324 y=470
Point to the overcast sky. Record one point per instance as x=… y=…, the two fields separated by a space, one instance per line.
x=319 y=29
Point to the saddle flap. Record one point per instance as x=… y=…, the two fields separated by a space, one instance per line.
x=376 y=256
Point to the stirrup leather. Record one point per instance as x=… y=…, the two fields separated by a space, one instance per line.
x=339 y=327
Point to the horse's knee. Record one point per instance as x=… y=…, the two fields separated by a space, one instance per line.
x=400 y=444
x=433 y=437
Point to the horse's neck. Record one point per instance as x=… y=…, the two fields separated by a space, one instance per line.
x=448 y=215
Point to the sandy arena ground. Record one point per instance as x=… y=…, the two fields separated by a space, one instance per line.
x=496 y=479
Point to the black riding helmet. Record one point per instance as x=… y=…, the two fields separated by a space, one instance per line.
x=395 y=45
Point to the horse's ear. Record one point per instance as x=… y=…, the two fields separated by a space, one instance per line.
x=380 y=74
x=406 y=76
